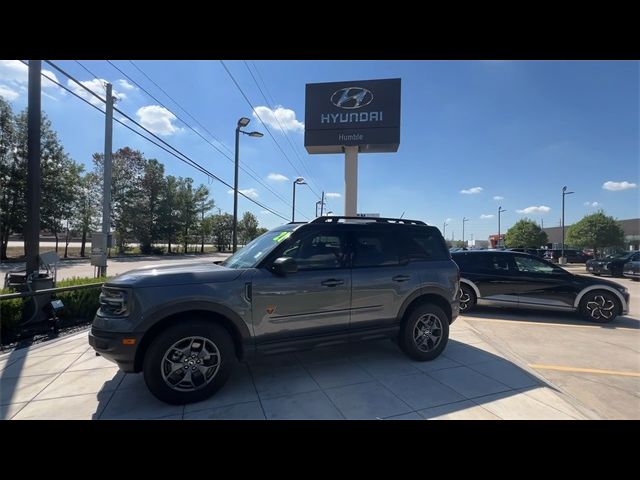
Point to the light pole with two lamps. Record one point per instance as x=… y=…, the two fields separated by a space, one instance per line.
x=243 y=122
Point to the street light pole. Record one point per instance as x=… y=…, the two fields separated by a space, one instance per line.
x=464 y=220
x=500 y=210
x=243 y=122
x=444 y=228
x=298 y=181
x=564 y=193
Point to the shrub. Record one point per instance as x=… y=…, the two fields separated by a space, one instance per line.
x=79 y=305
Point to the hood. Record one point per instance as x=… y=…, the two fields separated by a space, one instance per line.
x=165 y=274
x=588 y=281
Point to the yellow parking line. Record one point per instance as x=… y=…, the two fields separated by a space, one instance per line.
x=544 y=324
x=585 y=370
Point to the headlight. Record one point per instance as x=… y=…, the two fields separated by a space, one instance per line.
x=114 y=302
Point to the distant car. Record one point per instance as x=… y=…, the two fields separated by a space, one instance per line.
x=632 y=270
x=515 y=279
x=530 y=251
x=572 y=255
x=613 y=265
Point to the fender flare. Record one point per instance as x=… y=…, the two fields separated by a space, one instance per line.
x=475 y=288
x=584 y=291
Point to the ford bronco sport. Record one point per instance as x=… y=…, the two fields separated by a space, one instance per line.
x=334 y=279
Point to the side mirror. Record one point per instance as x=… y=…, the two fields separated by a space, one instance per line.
x=284 y=266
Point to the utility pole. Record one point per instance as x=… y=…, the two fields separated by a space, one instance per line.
x=33 y=193
x=500 y=210
x=444 y=228
x=322 y=204
x=32 y=227
x=106 y=185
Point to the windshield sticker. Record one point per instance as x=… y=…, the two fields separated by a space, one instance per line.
x=281 y=236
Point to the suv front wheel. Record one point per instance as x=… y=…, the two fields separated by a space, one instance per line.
x=189 y=362
x=424 y=332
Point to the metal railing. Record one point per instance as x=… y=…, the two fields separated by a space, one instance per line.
x=48 y=291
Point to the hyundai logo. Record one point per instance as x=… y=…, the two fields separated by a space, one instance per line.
x=351 y=97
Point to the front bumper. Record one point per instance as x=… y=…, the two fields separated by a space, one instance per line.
x=631 y=274
x=116 y=347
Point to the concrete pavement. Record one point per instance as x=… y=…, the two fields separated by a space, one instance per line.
x=64 y=379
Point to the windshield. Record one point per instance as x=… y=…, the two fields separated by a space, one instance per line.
x=258 y=248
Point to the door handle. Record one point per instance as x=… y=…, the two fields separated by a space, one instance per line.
x=400 y=278
x=332 y=282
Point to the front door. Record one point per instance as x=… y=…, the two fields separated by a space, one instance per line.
x=495 y=276
x=315 y=300
x=542 y=284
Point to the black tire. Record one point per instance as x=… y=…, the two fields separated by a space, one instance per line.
x=600 y=306
x=220 y=364
x=597 y=274
x=467 y=298
x=412 y=325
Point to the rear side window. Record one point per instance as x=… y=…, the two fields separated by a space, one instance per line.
x=472 y=262
x=374 y=249
x=420 y=245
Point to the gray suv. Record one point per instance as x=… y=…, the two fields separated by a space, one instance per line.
x=335 y=279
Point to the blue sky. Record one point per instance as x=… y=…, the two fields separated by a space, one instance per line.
x=519 y=130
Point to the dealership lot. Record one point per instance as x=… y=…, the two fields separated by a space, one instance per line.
x=500 y=363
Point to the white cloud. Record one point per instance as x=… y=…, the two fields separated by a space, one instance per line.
x=592 y=204
x=125 y=85
x=535 y=209
x=265 y=212
x=8 y=93
x=498 y=197
x=249 y=192
x=615 y=186
x=447 y=220
x=332 y=195
x=279 y=118
x=277 y=177
x=157 y=119
x=484 y=216
x=16 y=73
x=471 y=191
x=97 y=85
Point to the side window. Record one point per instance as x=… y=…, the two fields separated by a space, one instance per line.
x=499 y=263
x=532 y=265
x=374 y=249
x=426 y=245
x=318 y=251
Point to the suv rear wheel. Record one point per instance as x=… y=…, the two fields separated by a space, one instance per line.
x=189 y=362
x=424 y=332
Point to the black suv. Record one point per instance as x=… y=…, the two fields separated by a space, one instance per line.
x=335 y=279
x=520 y=280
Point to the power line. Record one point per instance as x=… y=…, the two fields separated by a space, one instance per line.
x=187 y=160
x=263 y=124
x=93 y=75
x=271 y=105
x=250 y=172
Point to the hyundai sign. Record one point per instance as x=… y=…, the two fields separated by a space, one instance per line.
x=359 y=113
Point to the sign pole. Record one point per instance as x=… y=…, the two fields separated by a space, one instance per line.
x=350 y=181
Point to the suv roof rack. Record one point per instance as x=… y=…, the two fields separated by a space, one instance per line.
x=336 y=219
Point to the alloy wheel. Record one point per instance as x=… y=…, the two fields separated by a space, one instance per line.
x=600 y=307
x=427 y=332
x=190 y=364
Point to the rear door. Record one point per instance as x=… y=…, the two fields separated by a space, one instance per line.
x=381 y=278
x=542 y=284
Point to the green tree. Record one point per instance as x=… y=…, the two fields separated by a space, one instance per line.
x=222 y=225
x=169 y=211
x=247 y=228
x=204 y=205
x=13 y=178
x=525 y=233
x=596 y=230
x=128 y=168
x=146 y=226
x=88 y=207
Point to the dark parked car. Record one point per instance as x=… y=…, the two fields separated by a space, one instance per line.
x=521 y=280
x=572 y=255
x=612 y=264
x=530 y=251
x=332 y=280
x=632 y=270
